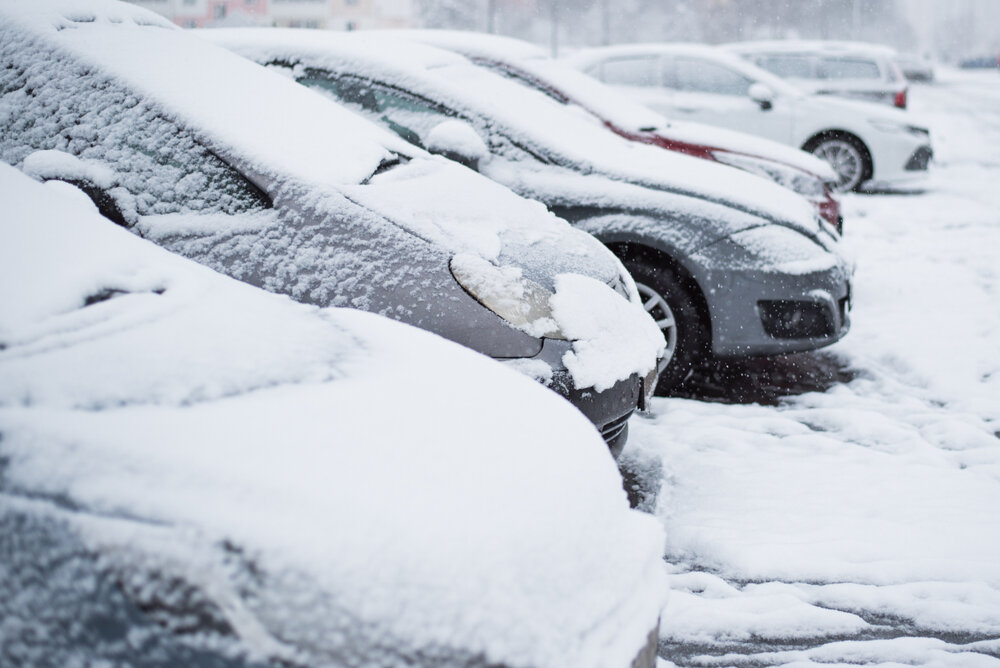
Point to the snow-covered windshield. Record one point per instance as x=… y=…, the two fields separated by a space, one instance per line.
x=237 y=106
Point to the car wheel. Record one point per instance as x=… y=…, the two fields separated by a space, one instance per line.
x=848 y=159
x=675 y=309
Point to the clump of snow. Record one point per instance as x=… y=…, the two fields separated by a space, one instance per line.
x=271 y=474
x=609 y=334
x=456 y=137
x=45 y=165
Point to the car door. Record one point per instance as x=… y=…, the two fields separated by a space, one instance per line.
x=708 y=92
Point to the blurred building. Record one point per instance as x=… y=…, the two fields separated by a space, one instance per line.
x=331 y=14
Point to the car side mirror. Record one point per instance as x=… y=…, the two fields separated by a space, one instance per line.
x=762 y=95
x=458 y=141
x=95 y=180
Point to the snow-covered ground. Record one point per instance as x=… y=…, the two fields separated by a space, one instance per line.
x=858 y=523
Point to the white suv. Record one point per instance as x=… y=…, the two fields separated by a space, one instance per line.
x=868 y=145
x=848 y=69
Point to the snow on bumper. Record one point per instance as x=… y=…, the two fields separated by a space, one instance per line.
x=612 y=338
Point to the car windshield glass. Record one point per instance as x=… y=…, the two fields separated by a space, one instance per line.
x=74 y=110
x=701 y=76
x=847 y=68
x=522 y=78
x=405 y=114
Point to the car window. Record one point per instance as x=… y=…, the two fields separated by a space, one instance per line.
x=701 y=76
x=847 y=68
x=800 y=67
x=56 y=104
x=409 y=115
x=522 y=78
x=633 y=71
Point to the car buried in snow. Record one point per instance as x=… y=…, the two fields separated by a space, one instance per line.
x=870 y=146
x=729 y=264
x=236 y=167
x=530 y=65
x=163 y=502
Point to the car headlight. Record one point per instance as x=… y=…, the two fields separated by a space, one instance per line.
x=521 y=302
x=790 y=177
x=891 y=126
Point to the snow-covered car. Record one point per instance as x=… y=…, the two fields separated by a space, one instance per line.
x=728 y=263
x=241 y=169
x=528 y=64
x=868 y=145
x=916 y=67
x=854 y=70
x=196 y=472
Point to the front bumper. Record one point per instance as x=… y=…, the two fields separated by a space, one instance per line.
x=899 y=159
x=608 y=410
x=760 y=311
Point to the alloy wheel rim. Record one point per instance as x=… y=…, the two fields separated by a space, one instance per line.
x=656 y=306
x=845 y=159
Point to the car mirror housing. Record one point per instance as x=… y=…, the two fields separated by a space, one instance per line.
x=762 y=95
x=458 y=141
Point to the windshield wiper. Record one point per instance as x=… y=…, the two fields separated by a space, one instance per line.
x=389 y=162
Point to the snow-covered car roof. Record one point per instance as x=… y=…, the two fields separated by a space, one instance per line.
x=362 y=493
x=819 y=47
x=528 y=117
x=605 y=102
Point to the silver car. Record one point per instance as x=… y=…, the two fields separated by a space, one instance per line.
x=218 y=160
x=729 y=264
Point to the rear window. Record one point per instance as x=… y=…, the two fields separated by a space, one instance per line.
x=49 y=102
x=799 y=67
x=848 y=68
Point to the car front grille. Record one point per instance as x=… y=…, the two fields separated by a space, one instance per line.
x=920 y=159
x=615 y=432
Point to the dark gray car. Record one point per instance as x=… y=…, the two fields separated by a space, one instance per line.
x=729 y=264
x=221 y=161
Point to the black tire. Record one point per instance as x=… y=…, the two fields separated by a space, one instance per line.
x=847 y=155
x=690 y=336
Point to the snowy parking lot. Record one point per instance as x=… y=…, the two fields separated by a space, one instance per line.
x=858 y=523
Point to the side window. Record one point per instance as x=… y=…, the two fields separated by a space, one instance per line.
x=54 y=104
x=635 y=71
x=701 y=76
x=848 y=68
x=407 y=115
x=799 y=67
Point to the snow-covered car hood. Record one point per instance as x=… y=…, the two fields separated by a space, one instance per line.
x=464 y=212
x=262 y=478
x=562 y=137
x=608 y=104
